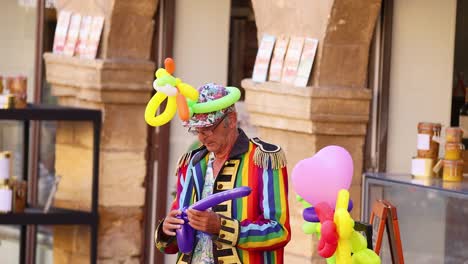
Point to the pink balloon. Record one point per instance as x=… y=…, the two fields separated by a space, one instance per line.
x=320 y=177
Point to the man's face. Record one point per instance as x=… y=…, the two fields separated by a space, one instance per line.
x=215 y=137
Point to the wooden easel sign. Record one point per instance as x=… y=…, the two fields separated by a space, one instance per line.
x=384 y=215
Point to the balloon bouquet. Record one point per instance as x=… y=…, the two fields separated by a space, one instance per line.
x=322 y=182
x=182 y=97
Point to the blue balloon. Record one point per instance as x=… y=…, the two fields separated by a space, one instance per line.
x=310 y=215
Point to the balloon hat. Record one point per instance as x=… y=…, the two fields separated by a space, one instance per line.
x=214 y=101
x=181 y=97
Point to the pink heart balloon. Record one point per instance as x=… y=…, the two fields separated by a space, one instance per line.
x=320 y=177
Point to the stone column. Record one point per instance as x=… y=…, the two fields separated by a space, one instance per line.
x=118 y=83
x=333 y=109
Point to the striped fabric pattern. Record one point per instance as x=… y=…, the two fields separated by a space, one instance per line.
x=264 y=213
x=263 y=216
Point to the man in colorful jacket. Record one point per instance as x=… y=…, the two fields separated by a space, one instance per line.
x=252 y=229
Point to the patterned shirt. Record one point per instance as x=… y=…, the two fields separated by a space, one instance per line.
x=203 y=252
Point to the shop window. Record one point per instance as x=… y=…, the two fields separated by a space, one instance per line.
x=18 y=53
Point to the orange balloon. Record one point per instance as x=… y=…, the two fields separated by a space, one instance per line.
x=169 y=65
x=182 y=107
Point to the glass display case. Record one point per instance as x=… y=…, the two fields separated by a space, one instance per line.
x=12 y=239
x=433 y=216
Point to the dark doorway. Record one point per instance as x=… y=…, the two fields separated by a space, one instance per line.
x=243 y=43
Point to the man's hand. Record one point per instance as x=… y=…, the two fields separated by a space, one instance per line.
x=171 y=223
x=205 y=221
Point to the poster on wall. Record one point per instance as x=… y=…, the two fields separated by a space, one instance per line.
x=72 y=35
x=61 y=30
x=291 y=62
x=97 y=24
x=278 y=59
x=262 y=61
x=85 y=28
x=307 y=60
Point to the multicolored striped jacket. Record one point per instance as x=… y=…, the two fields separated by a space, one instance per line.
x=254 y=229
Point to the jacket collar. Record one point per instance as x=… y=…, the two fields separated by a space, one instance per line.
x=240 y=147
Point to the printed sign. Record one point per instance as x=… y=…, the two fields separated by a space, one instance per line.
x=262 y=60
x=291 y=62
x=72 y=35
x=92 y=44
x=85 y=28
x=61 y=30
x=307 y=60
x=278 y=59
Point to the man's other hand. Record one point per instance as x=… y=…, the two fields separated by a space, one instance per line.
x=171 y=223
x=205 y=221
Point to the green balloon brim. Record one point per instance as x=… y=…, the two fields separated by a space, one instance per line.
x=224 y=102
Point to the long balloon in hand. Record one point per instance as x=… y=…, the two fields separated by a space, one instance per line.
x=185 y=235
x=176 y=92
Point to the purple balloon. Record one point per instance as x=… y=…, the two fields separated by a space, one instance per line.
x=350 y=205
x=185 y=235
x=310 y=215
x=221 y=197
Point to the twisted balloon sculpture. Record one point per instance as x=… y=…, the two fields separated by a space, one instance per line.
x=322 y=181
x=176 y=92
x=338 y=239
x=181 y=97
x=185 y=234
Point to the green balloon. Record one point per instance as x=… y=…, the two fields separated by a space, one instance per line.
x=190 y=102
x=167 y=79
x=304 y=202
x=358 y=242
x=365 y=256
x=331 y=260
x=309 y=228
x=218 y=104
x=299 y=198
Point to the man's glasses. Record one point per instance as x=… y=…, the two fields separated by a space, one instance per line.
x=206 y=131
